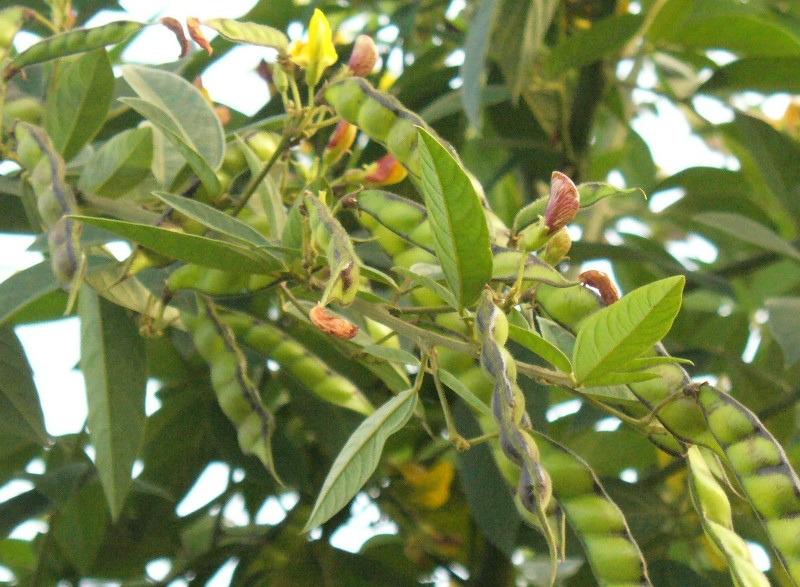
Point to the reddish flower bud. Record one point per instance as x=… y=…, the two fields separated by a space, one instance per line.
x=385 y=171
x=602 y=283
x=563 y=204
x=331 y=324
x=364 y=55
x=340 y=142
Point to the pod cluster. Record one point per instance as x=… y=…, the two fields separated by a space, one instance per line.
x=237 y=395
x=711 y=418
x=762 y=468
x=712 y=504
x=55 y=200
x=306 y=367
x=535 y=489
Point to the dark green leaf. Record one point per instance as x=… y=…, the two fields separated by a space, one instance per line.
x=19 y=402
x=191 y=248
x=77 y=107
x=756 y=74
x=749 y=231
x=25 y=287
x=461 y=237
x=114 y=365
x=603 y=39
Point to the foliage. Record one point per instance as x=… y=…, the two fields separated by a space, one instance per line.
x=375 y=289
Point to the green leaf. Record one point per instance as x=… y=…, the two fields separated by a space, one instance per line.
x=464 y=393
x=609 y=339
x=212 y=218
x=390 y=354
x=422 y=280
x=784 y=324
x=25 y=287
x=190 y=248
x=77 y=107
x=756 y=74
x=19 y=402
x=268 y=193
x=197 y=124
x=360 y=456
x=250 y=33
x=743 y=34
x=604 y=38
x=80 y=526
x=461 y=237
x=540 y=347
x=476 y=47
x=748 y=231
x=162 y=120
x=114 y=365
x=594 y=191
x=119 y=165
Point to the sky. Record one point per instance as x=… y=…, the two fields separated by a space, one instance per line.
x=53 y=349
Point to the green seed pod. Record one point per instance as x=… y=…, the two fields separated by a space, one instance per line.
x=346 y=97
x=29 y=152
x=72 y=42
x=401 y=140
x=233 y=162
x=614 y=558
x=63 y=242
x=26 y=109
x=752 y=454
x=233 y=403
x=376 y=120
x=264 y=144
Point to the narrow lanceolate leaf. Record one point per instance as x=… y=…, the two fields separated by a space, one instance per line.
x=594 y=191
x=465 y=393
x=609 y=339
x=250 y=33
x=19 y=402
x=540 y=346
x=114 y=365
x=476 y=46
x=214 y=219
x=119 y=165
x=360 y=456
x=194 y=120
x=749 y=231
x=24 y=288
x=461 y=237
x=192 y=248
x=165 y=123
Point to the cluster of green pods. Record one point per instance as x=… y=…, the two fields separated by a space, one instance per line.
x=300 y=363
x=399 y=225
x=237 y=396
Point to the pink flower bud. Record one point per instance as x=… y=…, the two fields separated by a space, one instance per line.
x=563 y=204
x=364 y=55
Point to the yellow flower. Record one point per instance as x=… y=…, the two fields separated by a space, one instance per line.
x=317 y=53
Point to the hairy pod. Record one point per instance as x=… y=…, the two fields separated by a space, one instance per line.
x=72 y=42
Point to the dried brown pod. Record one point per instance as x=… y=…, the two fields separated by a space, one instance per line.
x=332 y=324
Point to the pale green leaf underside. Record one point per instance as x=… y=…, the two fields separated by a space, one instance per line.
x=360 y=456
x=615 y=335
x=540 y=346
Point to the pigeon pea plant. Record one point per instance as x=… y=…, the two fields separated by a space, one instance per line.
x=345 y=323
